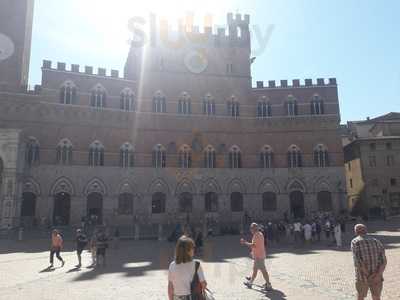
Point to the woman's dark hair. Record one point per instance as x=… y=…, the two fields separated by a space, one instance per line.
x=183 y=247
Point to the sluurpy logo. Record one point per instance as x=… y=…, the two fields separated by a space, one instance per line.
x=6 y=47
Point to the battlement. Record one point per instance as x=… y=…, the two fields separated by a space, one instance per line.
x=75 y=68
x=295 y=83
x=236 y=32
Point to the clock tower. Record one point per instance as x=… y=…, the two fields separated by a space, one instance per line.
x=16 y=17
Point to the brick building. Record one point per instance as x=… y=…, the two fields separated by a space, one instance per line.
x=182 y=134
x=372 y=149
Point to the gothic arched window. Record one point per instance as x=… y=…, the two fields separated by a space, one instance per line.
x=321 y=157
x=184 y=104
x=68 y=93
x=185 y=157
x=208 y=105
x=291 y=106
x=317 y=106
x=126 y=157
x=294 y=157
x=127 y=101
x=159 y=103
x=235 y=157
x=96 y=154
x=210 y=160
x=263 y=108
x=64 y=152
x=159 y=156
x=98 y=97
x=266 y=157
x=32 y=152
x=233 y=107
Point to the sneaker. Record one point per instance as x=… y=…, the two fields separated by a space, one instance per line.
x=62 y=263
x=268 y=287
x=51 y=266
x=78 y=266
x=248 y=278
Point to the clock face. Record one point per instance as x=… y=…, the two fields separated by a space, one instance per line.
x=6 y=47
x=196 y=61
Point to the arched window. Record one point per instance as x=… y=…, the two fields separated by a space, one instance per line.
x=64 y=152
x=291 y=106
x=236 y=202
x=269 y=201
x=32 y=152
x=98 y=97
x=68 y=93
x=126 y=156
x=159 y=156
x=211 y=202
x=125 y=204
x=96 y=154
x=266 y=157
x=317 y=106
x=185 y=157
x=294 y=157
x=210 y=160
x=233 y=107
x=235 y=157
x=127 y=101
x=158 y=200
x=321 y=157
x=263 y=108
x=159 y=103
x=184 y=104
x=185 y=202
x=208 y=105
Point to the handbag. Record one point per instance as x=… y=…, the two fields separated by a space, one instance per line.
x=196 y=291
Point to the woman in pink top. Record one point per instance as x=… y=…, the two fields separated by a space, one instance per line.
x=258 y=252
x=56 y=246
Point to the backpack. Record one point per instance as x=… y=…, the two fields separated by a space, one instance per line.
x=196 y=290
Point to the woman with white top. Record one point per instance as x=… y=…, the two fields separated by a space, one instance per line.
x=182 y=270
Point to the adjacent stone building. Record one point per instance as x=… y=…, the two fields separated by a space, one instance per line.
x=181 y=135
x=372 y=156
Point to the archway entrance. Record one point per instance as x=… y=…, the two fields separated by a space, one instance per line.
x=62 y=209
x=95 y=207
x=28 y=206
x=297 y=204
x=324 y=201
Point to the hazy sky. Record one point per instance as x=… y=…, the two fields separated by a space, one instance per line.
x=358 y=42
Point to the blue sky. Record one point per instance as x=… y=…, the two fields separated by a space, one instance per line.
x=358 y=42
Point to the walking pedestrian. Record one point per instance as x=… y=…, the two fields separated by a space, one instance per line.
x=259 y=254
x=327 y=229
x=307 y=232
x=116 y=238
x=370 y=263
x=337 y=230
x=182 y=270
x=56 y=246
x=93 y=248
x=318 y=229
x=297 y=231
x=81 y=242
x=101 y=246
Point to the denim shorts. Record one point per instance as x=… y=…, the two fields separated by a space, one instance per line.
x=188 y=297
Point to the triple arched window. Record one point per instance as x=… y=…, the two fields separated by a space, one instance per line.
x=317 y=106
x=98 y=97
x=127 y=100
x=159 y=156
x=233 y=107
x=159 y=103
x=208 y=105
x=68 y=93
x=184 y=104
x=263 y=108
x=291 y=106
x=32 y=152
x=126 y=157
x=321 y=157
x=64 y=152
x=235 y=158
x=96 y=154
x=210 y=159
x=185 y=157
x=294 y=157
x=266 y=157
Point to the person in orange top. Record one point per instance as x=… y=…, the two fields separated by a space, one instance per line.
x=258 y=253
x=56 y=246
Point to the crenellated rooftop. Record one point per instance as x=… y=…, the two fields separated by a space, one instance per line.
x=296 y=83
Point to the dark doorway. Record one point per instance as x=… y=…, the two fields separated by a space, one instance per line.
x=28 y=206
x=324 y=201
x=297 y=205
x=236 y=202
x=185 y=202
x=95 y=207
x=62 y=209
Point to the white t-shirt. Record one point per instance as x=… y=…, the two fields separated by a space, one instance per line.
x=181 y=276
x=297 y=226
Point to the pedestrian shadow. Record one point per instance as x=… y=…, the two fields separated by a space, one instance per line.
x=275 y=295
x=48 y=269
x=76 y=269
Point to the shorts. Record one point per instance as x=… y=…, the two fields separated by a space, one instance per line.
x=375 y=288
x=259 y=264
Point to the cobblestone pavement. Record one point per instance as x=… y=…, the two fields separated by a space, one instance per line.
x=137 y=270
